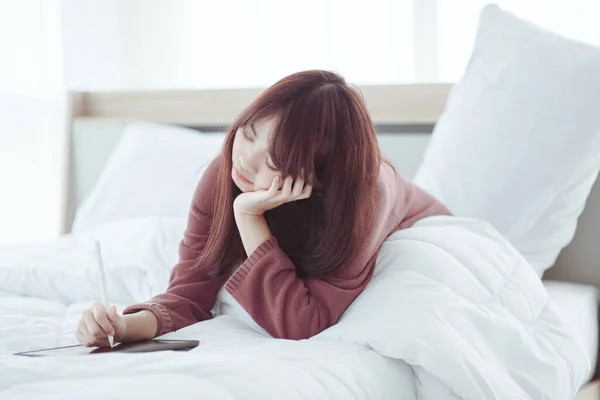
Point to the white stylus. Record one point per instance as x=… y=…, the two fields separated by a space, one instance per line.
x=102 y=274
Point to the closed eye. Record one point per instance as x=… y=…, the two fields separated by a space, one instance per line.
x=272 y=168
x=247 y=136
x=250 y=138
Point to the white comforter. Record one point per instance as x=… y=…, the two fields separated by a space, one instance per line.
x=453 y=311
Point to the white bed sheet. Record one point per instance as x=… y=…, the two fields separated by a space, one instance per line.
x=28 y=323
x=449 y=298
x=578 y=305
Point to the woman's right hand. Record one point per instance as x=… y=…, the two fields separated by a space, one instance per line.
x=97 y=323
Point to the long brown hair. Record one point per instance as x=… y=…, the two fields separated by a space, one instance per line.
x=324 y=131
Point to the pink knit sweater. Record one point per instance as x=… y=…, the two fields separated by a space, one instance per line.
x=266 y=285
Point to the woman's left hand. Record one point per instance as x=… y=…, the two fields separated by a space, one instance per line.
x=256 y=203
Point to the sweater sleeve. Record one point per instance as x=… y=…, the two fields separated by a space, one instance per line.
x=286 y=306
x=191 y=294
x=414 y=203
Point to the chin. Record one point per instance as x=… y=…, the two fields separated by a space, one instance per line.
x=240 y=185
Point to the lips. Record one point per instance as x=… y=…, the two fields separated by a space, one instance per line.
x=241 y=177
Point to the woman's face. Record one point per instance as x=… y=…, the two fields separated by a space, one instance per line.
x=253 y=167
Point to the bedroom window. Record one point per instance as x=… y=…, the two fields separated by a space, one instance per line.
x=32 y=120
x=243 y=43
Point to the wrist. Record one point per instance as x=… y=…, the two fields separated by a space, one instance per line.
x=141 y=325
x=239 y=212
x=242 y=207
x=253 y=230
x=121 y=334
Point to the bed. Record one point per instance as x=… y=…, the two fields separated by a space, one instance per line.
x=456 y=308
x=41 y=306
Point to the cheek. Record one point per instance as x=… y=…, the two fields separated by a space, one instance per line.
x=264 y=179
x=235 y=148
x=238 y=144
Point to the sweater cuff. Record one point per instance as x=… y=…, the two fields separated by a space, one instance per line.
x=165 y=324
x=236 y=279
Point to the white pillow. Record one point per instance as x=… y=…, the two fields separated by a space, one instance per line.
x=153 y=172
x=518 y=144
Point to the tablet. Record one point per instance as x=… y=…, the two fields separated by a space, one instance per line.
x=144 y=346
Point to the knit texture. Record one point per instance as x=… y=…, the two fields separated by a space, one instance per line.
x=266 y=284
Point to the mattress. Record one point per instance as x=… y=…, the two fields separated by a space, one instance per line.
x=578 y=305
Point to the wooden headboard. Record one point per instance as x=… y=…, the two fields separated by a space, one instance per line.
x=389 y=105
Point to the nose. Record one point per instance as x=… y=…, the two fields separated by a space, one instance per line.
x=249 y=162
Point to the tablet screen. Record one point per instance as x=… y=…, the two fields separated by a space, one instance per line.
x=133 y=347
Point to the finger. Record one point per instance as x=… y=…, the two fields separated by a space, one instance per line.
x=306 y=192
x=102 y=343
x=298 y=188
x=85 y=343
x=286 y=190
x=113 y=316
x=81 y=339
x=96 y=333
x=101 y=317
x=85 y=334
x=274 y=186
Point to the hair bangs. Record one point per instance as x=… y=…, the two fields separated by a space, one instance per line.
x=302 y=136
x=292 y=154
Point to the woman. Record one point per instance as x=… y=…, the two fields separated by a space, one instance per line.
x=287 y=221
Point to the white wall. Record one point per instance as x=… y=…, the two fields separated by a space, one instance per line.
x=405 y=150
